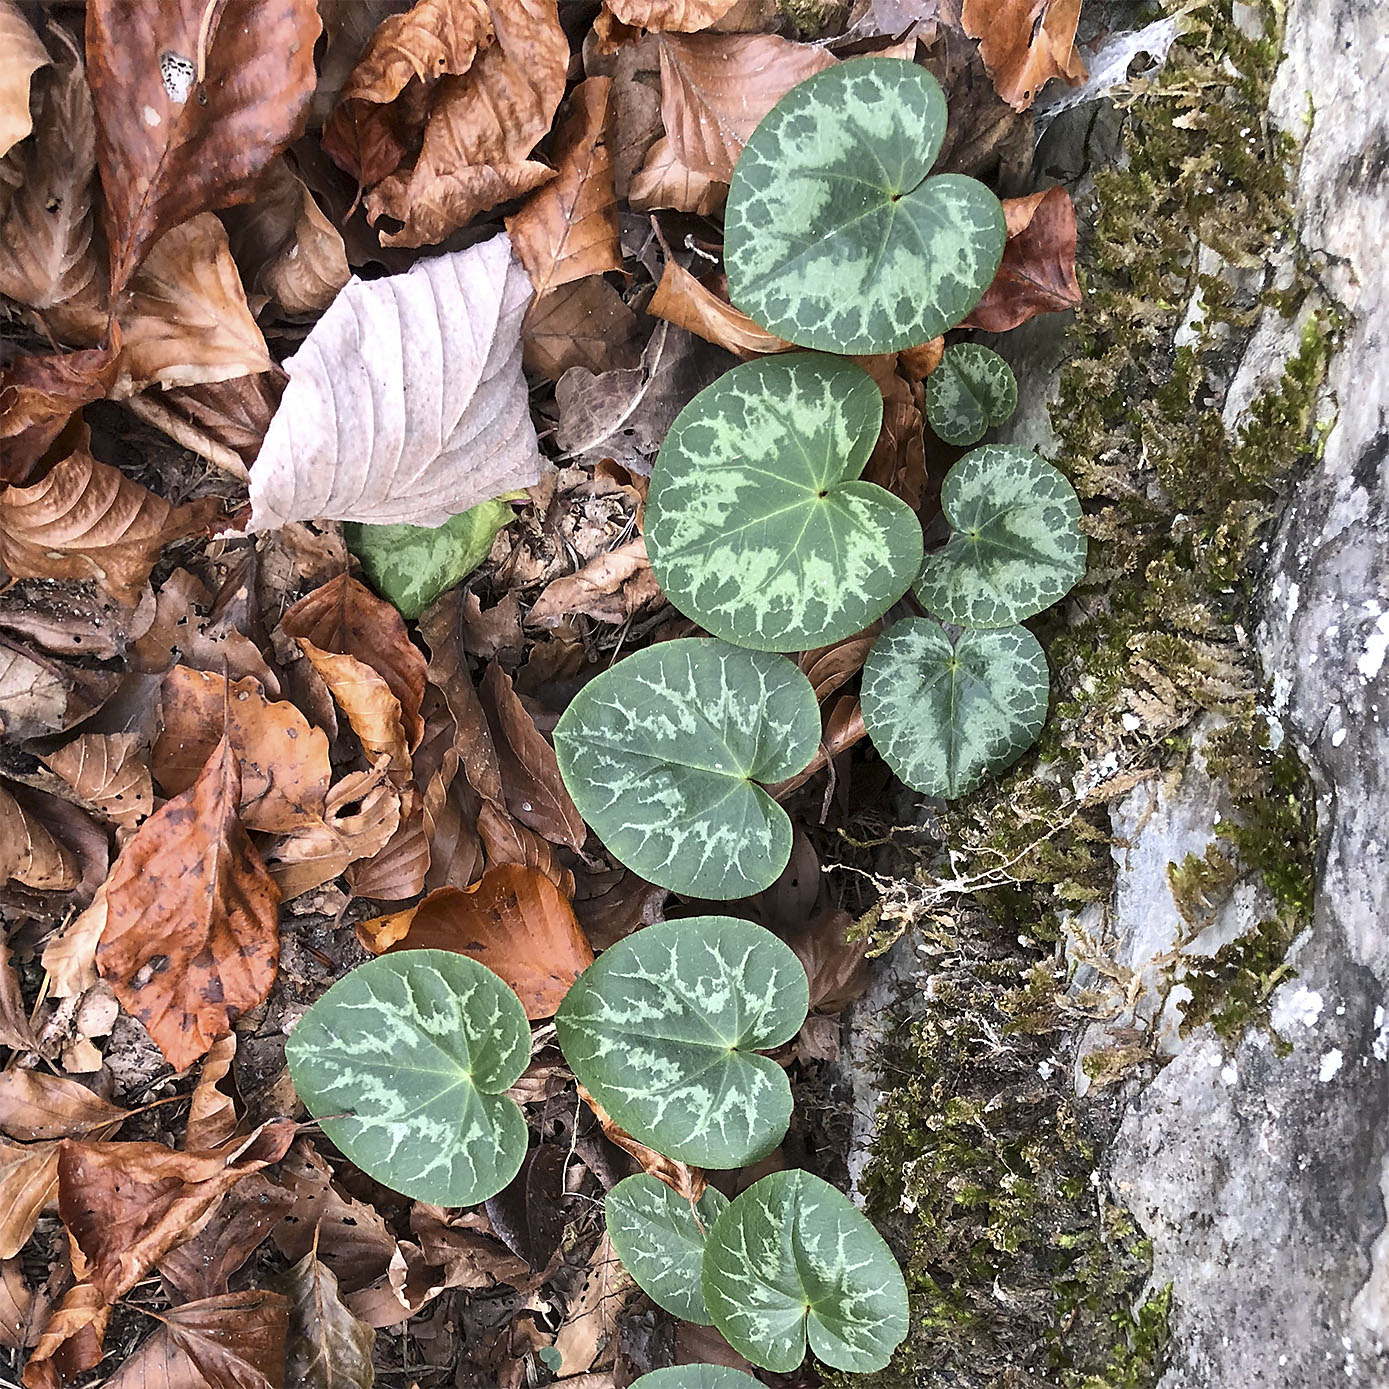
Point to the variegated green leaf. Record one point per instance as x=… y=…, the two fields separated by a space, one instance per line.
x=834 y=236
x=793 y=1260
x=404 y=1062
x=663 y=752
x=659 y=1236
x=757 y=524
x=1016 y=545
x=663 y=1030
x=945 y=717
x=972 y=390
x=411 y=566
x=697 y=1377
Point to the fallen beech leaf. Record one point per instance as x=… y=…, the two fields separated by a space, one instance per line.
x=35 y=1106
x=192 y=101
x=29 y=854
x=211 y=1114
x=1025 y=43
x=86 y=520
x=437 y=38
x=127 y=1204
x=22 y=1307
x=28 y=1179
x=1038 y=273
x=232 y=1341
x=24 y=55
x=398 y=869
x=513 y=919
x=70 y=955
x=898 y=460
x=328 y=1347
x=240 y=1223
x=527 y=1215
x=38 y=395
x=585 y=323
x=191 y=939
x=108 y=775
x=482 y=127
x=682 y=300
x=829 y=667
x=73 y=1336
x=917 y=363
x=837 y=967
x=567 y=229
x=34 y=692
x=15 y=1028
x=665 y=180
x=284 y=764
x=611 y=587
x=224 y=421
x=613 y=904
x=684 y=16
x=368 y=142
x=445 y=427
x=372 y=710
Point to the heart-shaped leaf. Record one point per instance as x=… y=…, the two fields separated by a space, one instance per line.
x=757 y=525
x=972 y=390
x=793 y=1260
x=663 y=754
x=945 y=717
x=663 y=1030
x=1017 y=545
x=412 y=565
x=697 y=1377
x=404 y=1062
x=659 y=1236
x=835 y=237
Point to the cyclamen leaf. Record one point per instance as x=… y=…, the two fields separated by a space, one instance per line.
x=664 y=1030
x=659 y=1236
x=757 y=524
x=835 y=237
x=696 y=1377
x=944 y=717
x=662 y=755
x=1017 y=546
x=404 y=1063
x=793 y=1260
x=972 y=390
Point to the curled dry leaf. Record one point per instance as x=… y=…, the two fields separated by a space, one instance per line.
x=1038 y=273
x=1025 y=43
x=73 y=1336
x=829 y=667
x=372 y=710
x=15 y=1028
x=687 y=1181
x=284 y=764
x=436 y=38
x=683 y=16
x=36 y=1106
x=223 y=421
x=192 y=101
x=38 y=396
x=86 y=520
x=328 y=1347
x=482 y=128
x=28 y=1179
x=445 y=427
x=585 y=323
x=23 y=1307
x=191 y=936
x=513 y=919
x=29 y=854
x=24 y=56
x=567 y=229
x=399 y=869
x=212 y=1114
x=683 y=300
x=108 y=775
x=611 y=587
x=917 y=363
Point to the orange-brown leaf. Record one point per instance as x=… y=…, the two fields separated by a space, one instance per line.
x=1038 y=273
x=372 y=710
x=1025 y=43
x=611 y=587
x=72 y=1338
x=86 y=520
x=684 y=301
x=284 y=764
x=24 y=55
x=513 y=919
x=38 y=395
x=437 y=38
x=191 y=938
x=29 y=854
x=568 y=228
x=108 y=775
x=35 y=1106
x=687 y=1181
x=682 y=16
x=211 y=1113
x=28 y=1179
x=585 y=323
x=192 y=99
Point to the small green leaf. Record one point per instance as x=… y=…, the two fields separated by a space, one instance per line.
x=663 y=1031
x=411 y=566
x=757 y=524
x=551 y=1357
x=659 y=1236
x=696 y=1377
x=971 y=391
x=662 y=754
x=793 y=1260
x=834 y=236
x=1016 y=546
x=404 y=1062
x=327 y=1347
x=945 y=717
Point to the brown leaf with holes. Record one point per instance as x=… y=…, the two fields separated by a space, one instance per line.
x=1038 y=273
x=29 y=853
x=683 y=300
x=231 y=1341
x=86 y=520
x=588 y=1334
x=1025 y=43
x=682 y=16
x=585 y=323
x=28 y=1179
x=191 y=938
x=482 y=128
x=437 y=38
x=24 y=56
x=38 y=397
x=241 y=1222
x=513 y=919
x=192 y=99
x=109 y=776
x=36 y=1106
x=284 y=764
x=567 y=229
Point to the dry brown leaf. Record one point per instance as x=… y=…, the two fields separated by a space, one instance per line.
x=683 y=16
x=72 y=1337
x=29 y=853
x=568 y=228
x=513 y=919
x=284 y=764
x=482 y=128
x=585 y=323
x=15 y=1027
x=1038 y=273
x=28 y=1179
x=613 y=904
x=611 y=587
x=211 y=1114
x=108 y=774
x=683 y=1179
x=368 y=141
x=399 y=868
x=192 y=101
x=232 y=1341
x=243 y=1219
x=39 y=696
x=24 y=56
x=829 y=667
x=437 y=38
x=682 y=300
x=457 y=1243
x=1025 y=43
x=328 y=1347
x=588 y=1334
x=224 y=421
x=70 y=955
x=665 y=180
x=23 y=1307
x=636 y=74
x=372 y=710
x=917 y=363
x=898 y=460
x=86 y=520
x=191 y=938
x=38 y=395
x=36 y=1106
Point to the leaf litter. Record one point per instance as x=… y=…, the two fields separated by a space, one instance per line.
x=270 y=267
